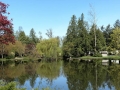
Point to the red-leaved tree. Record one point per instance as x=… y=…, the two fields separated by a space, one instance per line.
x=6 y=29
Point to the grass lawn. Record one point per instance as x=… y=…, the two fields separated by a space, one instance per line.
x=114 y=57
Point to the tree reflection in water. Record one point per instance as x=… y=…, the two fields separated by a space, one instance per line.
x=91 y=76
x=23 y=72
x=79 y=75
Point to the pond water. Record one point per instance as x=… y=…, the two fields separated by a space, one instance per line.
x=63 y=75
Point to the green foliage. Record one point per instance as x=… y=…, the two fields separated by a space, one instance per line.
x=9 y=86
x=48 y=70
x=115 y=38
x=106 y=33
x=117 y=23
x=48 y=47
x=69 y=42
x=10 y=56
x=100 y=41
x=32 y=37
x=79 y=75
x=83 y=41
x=97 y=54
x=77 y=41
x=19 y=48
x=22 y=36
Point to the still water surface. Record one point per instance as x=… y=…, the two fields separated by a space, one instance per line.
x=63 y=75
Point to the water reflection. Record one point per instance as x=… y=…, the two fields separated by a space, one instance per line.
x=63 y=75
x=29 y=73
x=89 y=76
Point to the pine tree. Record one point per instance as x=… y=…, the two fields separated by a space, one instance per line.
x=107 y=32
x=71 y=35
x=33 y=37
x=100 y=42
x=82 y=42
x=117 y=23
x=22 y=36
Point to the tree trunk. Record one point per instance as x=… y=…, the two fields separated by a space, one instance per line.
x=96 y=76
x=2 y=55
x=2 y=52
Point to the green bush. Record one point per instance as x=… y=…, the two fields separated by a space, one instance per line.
x=97 y=54
x=10 y=56
x=10 y=86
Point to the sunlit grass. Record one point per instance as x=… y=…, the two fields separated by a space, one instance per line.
x=114 y=57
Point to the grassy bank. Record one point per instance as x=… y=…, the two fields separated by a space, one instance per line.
x=112 y=57
x=18 y=59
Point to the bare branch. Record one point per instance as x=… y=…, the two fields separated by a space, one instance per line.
x=92 y=14
x=49 y=33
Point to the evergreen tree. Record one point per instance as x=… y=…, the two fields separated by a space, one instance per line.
x=117 y=23
x=22 y=36
x=28 y=41
x=92 y=39
x=40 y=36
x=100 y=42
x=71 y=35
x=33 y=37
x=82 y=42
x=106 y=33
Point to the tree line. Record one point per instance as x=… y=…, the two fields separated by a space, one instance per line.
x=33 y=47
x=80 y=38
x=17 y=43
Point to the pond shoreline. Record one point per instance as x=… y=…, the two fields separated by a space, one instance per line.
x=91 y=57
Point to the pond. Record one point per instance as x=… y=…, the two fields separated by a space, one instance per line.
x=63 y=75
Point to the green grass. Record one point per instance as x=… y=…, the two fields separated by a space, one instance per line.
x=2 y=59
x=114 y=57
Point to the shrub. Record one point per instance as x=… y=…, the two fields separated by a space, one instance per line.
x=97 y=54
x=9 y=86
x=10 y=56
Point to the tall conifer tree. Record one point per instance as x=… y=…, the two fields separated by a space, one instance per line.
x=69 y=42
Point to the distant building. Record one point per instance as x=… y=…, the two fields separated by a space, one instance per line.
x=104 y=53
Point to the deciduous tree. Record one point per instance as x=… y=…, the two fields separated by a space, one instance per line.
x=115 y=38
x=48 y=47
x=93 y=20
x=6 y=26
x=49 y=33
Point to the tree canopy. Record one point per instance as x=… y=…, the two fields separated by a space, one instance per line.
x=6 y=28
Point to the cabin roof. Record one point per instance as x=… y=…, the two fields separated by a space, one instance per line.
x=104 y=52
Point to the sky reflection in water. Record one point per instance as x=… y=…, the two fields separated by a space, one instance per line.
x=64 y=76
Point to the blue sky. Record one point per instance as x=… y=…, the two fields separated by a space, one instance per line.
x=56 y=14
